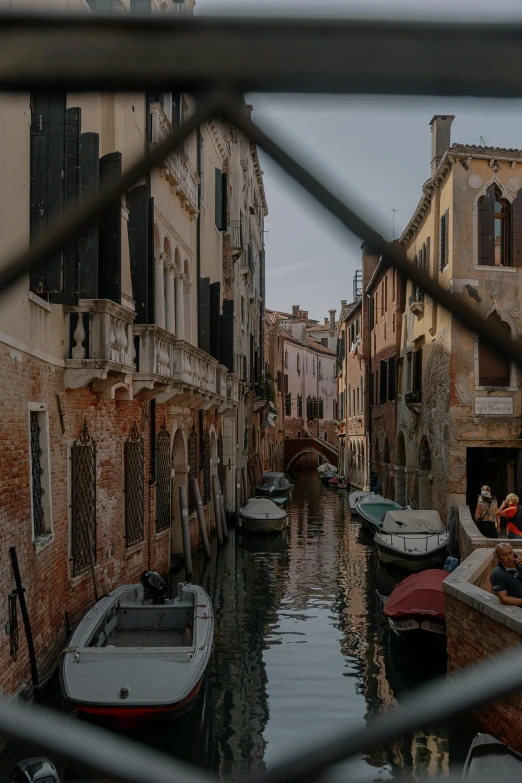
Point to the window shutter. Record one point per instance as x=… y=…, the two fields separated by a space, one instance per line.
x=88 y=243
x=151 y=260
x=417 y=370
x=176 y=110
x=219 y=200
x=224 y=202
x=227 y=337
x=442 y=234
x=286 y=384
x=215 y=320
x=446 y=238
x=138 y=230
x=109 y=283
x=516 y=231
x=427 y=256
x=372 y=388
x=70 y=286
x=391 y=378
x=47 y=183
x=486 y=228
x=204 y=314
x=384 y=381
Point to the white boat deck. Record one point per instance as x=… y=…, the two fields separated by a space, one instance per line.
x=150 y=637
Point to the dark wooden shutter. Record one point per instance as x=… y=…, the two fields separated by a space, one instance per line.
x=227 y=336
x=427 y=258
x=88 y=243
x=516 y=231
x=446 y=238
x=215 y=320
x=204 y=314
x=140 y=6
x=391 y=378
x=70 y=286
x=224 y=203
x=138 y=231
x=47 y=183
x=384 y=381
x=219 y=199
x=176 y=109
x=486 y=228
x=109 y=259
x=417 y=370
x=151 y=263
x=372 y=312
x=442 y=234
x=285 y=389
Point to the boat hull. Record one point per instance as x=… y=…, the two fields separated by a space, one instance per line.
x=413 y=562
x=267 y=526
x=418 y=629
x=132 y=717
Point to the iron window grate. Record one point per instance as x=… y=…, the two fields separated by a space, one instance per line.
x=163 y=489
x=36 y=476
x=83 y=501
x=134 y=487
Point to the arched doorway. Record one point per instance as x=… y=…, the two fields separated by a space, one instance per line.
x=424 y=473
x=400 y=472
x=180 y=472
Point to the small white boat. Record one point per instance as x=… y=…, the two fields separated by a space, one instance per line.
x=356 y=497
x=261 y=515
x=326 y=467
x=373 y=508
x=139 y=655
x=274 y=486
x=412 y=539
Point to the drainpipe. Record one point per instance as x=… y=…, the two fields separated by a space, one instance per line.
x=368 y=387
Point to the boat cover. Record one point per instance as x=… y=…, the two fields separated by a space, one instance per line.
x=326 y=467
x=262 y=508
x=418 y=594
x=412 y=521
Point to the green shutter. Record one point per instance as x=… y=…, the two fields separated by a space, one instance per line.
x=88 y=244
x=204 y=314
x=138 y=231
x=215 y=320
x=110 y=235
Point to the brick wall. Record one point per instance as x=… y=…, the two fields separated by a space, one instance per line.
x=51 y=590
x=478 y=627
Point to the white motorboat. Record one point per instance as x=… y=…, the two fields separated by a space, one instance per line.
x=412 y=539
x=139 y=655
x=261 y=515
x=326 y=467
x=373 y=508
x=356 y=497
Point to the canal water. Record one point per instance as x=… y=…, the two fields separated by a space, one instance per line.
x=302 y=647
x=302 y=650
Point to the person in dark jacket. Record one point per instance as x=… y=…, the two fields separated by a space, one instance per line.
x=486 y=514
x=506 y=578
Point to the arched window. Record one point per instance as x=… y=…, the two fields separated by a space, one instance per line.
x=286 y=358
x=499 y=229
x=349 y=401
x=494 y=369
x=300 y=406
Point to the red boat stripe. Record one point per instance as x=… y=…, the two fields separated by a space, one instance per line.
x=136 y=711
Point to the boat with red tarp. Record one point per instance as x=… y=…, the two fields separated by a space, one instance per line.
x=416 y=608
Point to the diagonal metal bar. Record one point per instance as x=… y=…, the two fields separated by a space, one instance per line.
x=392 y=254
x=70 y=228
x=92 y=747
x=86 y=52
x=425 y=707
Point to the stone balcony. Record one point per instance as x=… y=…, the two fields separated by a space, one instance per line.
x=176 y=168
x=99 y=348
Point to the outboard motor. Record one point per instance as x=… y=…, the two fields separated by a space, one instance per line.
x=35 y=770
x=155 y=586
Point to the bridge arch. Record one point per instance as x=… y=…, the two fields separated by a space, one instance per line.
x=295 y=448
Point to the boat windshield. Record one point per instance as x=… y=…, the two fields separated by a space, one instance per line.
x=270 y=481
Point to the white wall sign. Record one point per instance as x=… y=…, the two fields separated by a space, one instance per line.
x=493 y=406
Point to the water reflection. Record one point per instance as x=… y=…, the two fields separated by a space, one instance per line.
x=302 y=647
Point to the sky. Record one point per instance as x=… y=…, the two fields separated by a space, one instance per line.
x=375 y=149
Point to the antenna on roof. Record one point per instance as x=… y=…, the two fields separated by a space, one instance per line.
x=393 y=222
x=483 y=141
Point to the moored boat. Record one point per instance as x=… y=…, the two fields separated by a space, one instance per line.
x=274 y=485
x=411 y=539
x=491 y=759
x=327 y=475
x=356 y=497
x=325 y=467
x=416 y=608
x=337 y=482
x=263 y=516
x=139 y=655
x=373 y=508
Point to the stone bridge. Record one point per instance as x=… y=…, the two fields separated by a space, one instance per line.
x=295 y=448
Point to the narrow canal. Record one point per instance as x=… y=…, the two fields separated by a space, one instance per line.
x=302 y=647
x=302 y=650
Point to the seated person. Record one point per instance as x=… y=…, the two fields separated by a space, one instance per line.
x=506 y=578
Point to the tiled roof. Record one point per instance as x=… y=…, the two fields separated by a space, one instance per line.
x=484 y=150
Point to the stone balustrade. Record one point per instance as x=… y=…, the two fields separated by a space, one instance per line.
x=233 y=388
x=177 y=168
x=99 y=349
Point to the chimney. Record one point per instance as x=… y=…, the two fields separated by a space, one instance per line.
x=440 y=138
x=326 y=321
x=332 y=320
x=343 y=303
x=295 y=310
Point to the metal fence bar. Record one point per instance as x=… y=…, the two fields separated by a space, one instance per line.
x=120 y=53
x=93 y=747
x=62 y=232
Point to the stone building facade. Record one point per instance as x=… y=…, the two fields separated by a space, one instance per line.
x=115 y=391
x=460 y=404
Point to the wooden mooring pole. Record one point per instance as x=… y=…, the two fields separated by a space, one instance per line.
x=185 y=532
x=201 y=519
x=20 y=591
x=217 y=509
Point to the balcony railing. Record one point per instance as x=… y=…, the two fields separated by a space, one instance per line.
x=177 y=168
x=99 y=346
x=237 y=242
x=413 y=399
x=155 y=360
x=232 y=387
x=416 y=301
